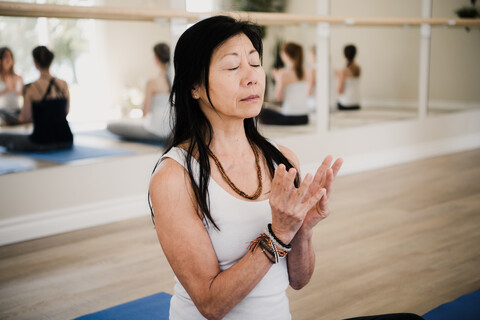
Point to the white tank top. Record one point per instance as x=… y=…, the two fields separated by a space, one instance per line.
x=351 y=92
x=295 y=100
x=10 y=101
x=239 y=221
x=157 y=120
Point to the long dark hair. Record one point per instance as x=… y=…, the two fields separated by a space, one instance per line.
x=191 y=61
x=350 y=52
x=43 y=56
x=295 y=52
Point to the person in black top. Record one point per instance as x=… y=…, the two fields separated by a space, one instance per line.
x=46 y=104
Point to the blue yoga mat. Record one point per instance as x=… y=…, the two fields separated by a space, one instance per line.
x=78 y=152
x=156 y=306
x=16 y=164
x=466 y=307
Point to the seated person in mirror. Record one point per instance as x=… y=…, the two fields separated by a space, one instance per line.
x=349 y=81
x=11 y=86
x=290 y=90
x=156 y=107
x=46 y=104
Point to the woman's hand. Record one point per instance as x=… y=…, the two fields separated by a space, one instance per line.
x=289 y=204
x=323 y=180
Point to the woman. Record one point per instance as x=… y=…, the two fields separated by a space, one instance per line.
x=232 y=216
x=11 y=86
x=349 y=81
x=156 y=109
x=46 y=104
x=290 y=89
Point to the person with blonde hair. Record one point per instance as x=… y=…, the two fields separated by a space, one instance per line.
x=11 y=86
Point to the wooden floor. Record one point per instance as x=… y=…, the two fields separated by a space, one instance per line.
x=403 y=238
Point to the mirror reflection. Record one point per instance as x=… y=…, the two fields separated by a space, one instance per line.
x=290 y=98
x=374 y=75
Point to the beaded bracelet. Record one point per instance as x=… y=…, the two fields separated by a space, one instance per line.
x=278 y=242
x=270 y=249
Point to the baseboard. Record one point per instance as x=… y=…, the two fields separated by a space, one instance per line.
x=64 y=220
x=389 y=157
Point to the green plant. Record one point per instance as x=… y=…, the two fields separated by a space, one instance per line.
x=468 y=12
x=258 y=6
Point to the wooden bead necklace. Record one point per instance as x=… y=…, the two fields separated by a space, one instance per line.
x=232 y=185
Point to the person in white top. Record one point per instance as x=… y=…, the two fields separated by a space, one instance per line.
x=349 y=81
x=155 y=124
x=11 y=87
x=290 y=90
x=231 y=214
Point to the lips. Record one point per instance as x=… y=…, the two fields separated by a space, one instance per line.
x=251 y=97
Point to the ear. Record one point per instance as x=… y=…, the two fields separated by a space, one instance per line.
x=195 y=92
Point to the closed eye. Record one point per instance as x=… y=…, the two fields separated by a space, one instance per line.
x=234 y=68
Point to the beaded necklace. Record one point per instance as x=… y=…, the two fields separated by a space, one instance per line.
x=232 y=185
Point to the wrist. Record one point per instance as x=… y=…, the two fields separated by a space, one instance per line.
x=303 y=234
x=284 y=238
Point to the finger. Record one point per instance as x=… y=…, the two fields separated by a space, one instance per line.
x=320 y=175
x=336 y=166
x=302 y=190
x=288 y=183
x=278 y=178
x=324 y=211
x=314 y=199
x=277 y=197
x=329 y=177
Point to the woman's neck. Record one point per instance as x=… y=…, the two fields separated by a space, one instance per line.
x=45 y=74
x=229 y=138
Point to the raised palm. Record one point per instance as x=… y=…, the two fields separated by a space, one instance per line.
x=324 y=178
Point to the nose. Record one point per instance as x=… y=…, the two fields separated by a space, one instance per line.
x=250 y=77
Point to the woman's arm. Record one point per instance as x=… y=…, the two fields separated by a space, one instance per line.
x=279 y=77
x=189 y=251
x=188 y=248
x=19 y=85
x=26 y=112
x=301 y=259
x=311 y=82
x=341 y=81
x=147 y=103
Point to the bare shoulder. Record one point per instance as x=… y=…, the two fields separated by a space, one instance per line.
x=62 y=84
x=168 y=178
x=290 y=155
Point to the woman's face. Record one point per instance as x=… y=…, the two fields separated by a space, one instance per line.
x=236 y=82
x=7 y=60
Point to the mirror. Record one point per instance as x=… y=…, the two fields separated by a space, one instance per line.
x=387 y=88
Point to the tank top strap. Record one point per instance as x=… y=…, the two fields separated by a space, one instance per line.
x=180 y=156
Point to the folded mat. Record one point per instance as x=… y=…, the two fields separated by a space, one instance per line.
x=466 y=307
x=104 y=133
x=77 y=152
x=156 y=306
x=15 y=164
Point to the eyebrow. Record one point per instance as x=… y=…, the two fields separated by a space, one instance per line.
x=236 y=54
